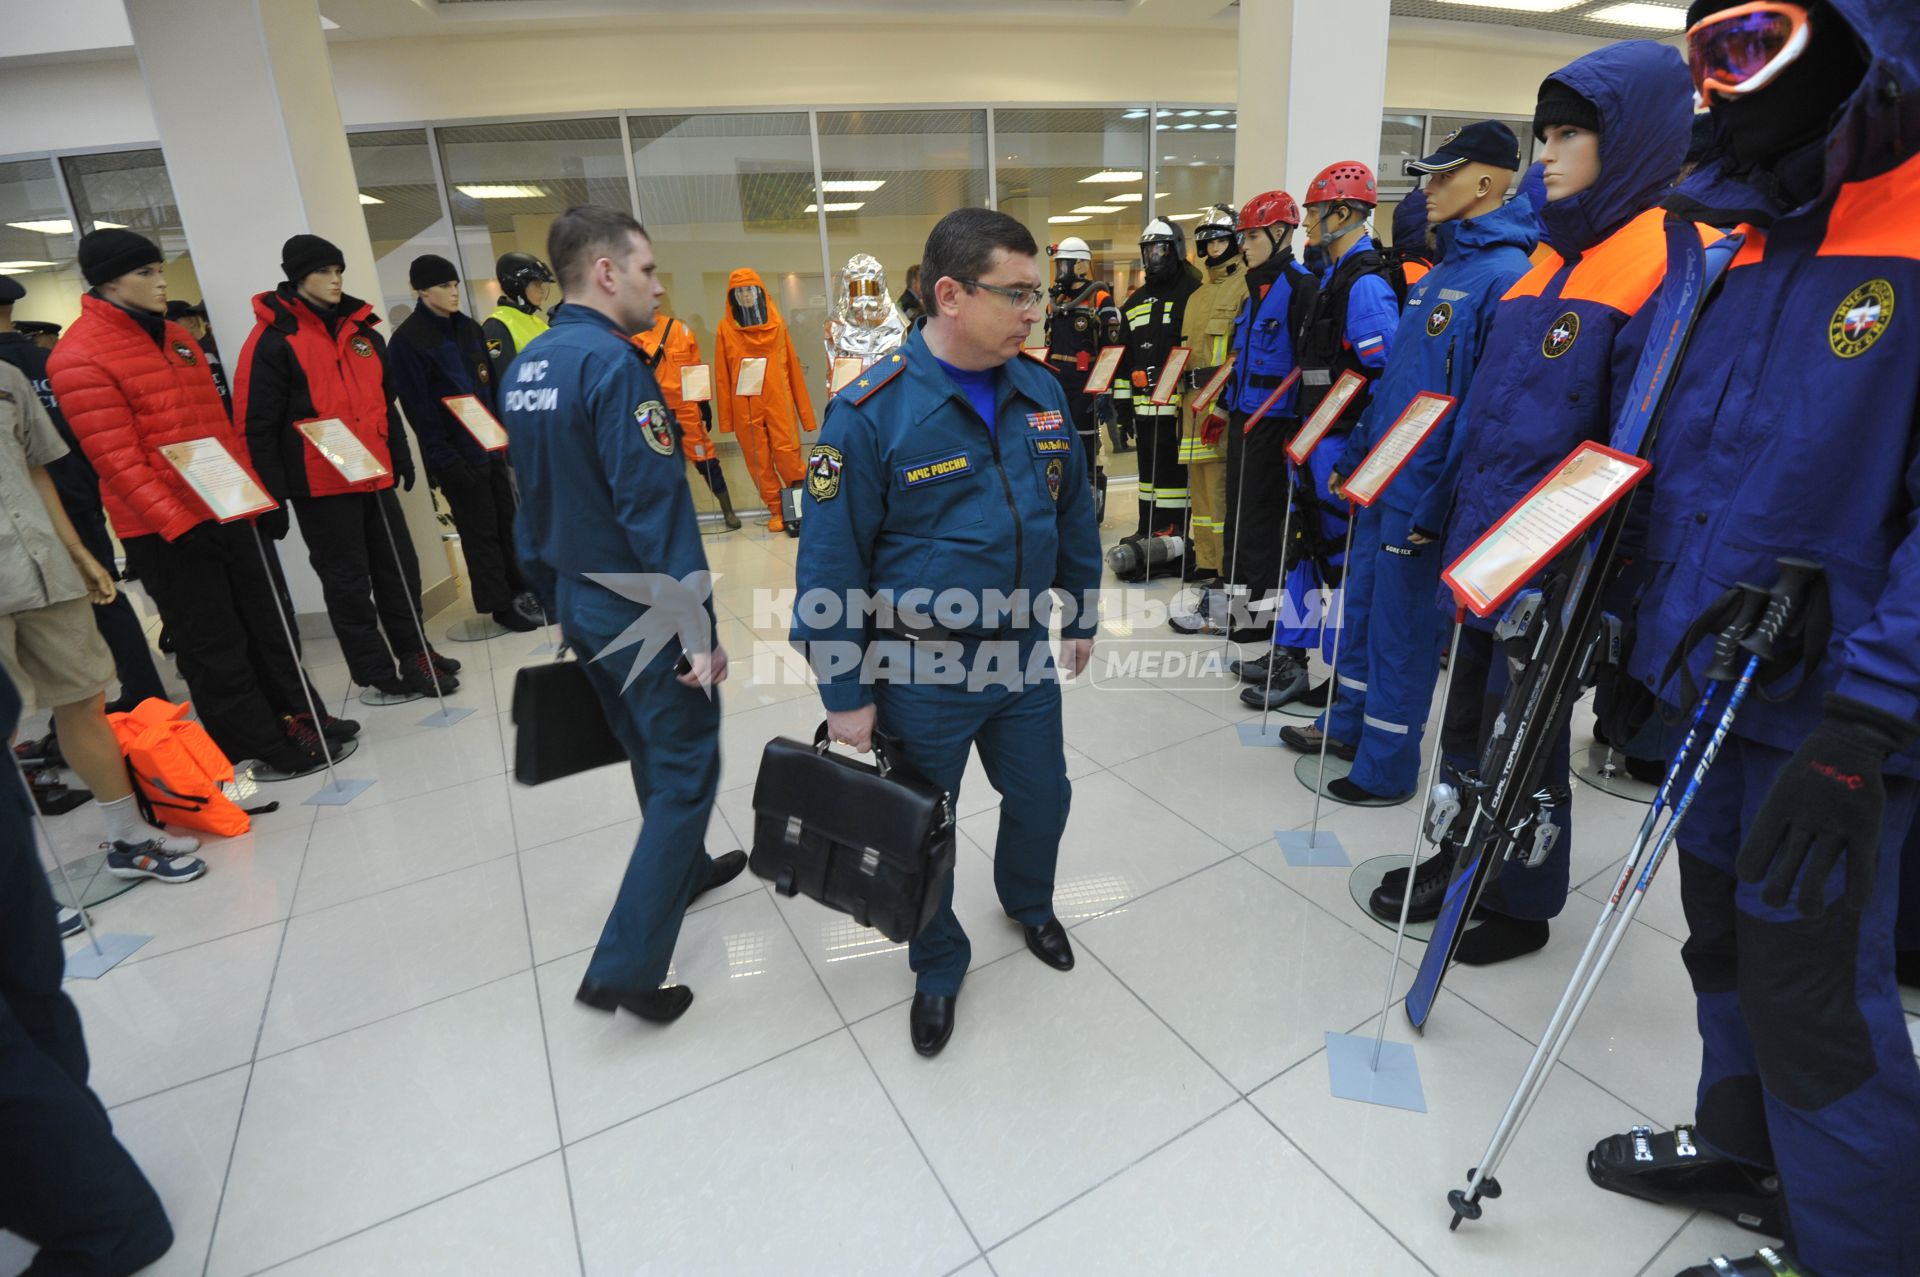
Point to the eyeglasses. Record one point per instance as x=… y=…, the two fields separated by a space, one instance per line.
x=1022 y=298
x=1744 y=48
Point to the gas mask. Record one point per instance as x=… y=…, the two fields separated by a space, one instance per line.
x=1067 y=276
x=749 y=305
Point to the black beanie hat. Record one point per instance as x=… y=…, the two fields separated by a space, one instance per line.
x=304 y=254
x=1561 y=105
x=107 y=255
x=430 y=269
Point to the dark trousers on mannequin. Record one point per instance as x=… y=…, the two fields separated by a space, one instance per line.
x=66 y=1184
x=118 y=623
x=367 y=594
x=1257 y=463
x=480 y=498
x=216 y=600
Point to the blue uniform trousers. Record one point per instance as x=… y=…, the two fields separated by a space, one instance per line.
x=1387 y=671
x=1018 y=733
x=1480 y=679
x=672 y=737
x=1300 y=622
x=1807 y=1067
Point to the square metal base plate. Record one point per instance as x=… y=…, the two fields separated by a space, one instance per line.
x=1351 y=1075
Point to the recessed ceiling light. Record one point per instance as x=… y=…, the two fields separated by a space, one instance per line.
x=1657 y=16
x=21 y=268
x=1524 y=6
x=370 y=199
x=61 y=226
x=864 y=185
x=1219 y=112
x=1161 y=128
x=1186 y=217
x=1098 y=208
x=501 y=191
x=1187 y=115
x=1134 y=115
x=1067 y=217
x=1130 y=197
x=1113 y=175
x=846 y=206
x=1214 y=125
x=1184 y=127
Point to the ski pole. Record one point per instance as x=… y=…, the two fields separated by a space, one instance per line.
x=293 y=650
x=1279 y=597
x=1333 y=680
x=413 y=610
x=1419 y=824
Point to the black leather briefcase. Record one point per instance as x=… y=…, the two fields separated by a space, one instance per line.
x=875 y=842
x=559 y=727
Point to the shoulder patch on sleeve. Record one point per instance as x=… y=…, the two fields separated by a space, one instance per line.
x=823 y=472
x=868 y=383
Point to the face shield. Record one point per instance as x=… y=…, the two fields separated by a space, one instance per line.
x=1069 y=275
x=749 y=305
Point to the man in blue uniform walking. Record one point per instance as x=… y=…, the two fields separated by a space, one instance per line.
x=604 y=504
x=954 y=465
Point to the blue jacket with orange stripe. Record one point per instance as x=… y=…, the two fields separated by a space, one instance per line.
x=1561 y=348
x=1794 y=422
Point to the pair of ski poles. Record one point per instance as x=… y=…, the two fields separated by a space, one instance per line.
x=1760 y=618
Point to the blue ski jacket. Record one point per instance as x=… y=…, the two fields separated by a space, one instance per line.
x=1437 y=346
x=1792 y=424
x=1263 y=339
x=1557 y=356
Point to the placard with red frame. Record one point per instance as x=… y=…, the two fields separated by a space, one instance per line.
x=1105 y=364
x=1573 y=496
x=1036 y=353
x=1168 y=386
x=1308 y=437
x=225 y=486
x=481 y=424
x=1204 y=397
x=1266 y=405
x=1415 y=426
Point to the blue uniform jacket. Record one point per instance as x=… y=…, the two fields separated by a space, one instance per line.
x=1263 y=342
x=1437 y=347
x=434 y=359
x=1792 y=427
x=908 y=489
x=602 y=485
x=1561 y=347
x=1373 y=312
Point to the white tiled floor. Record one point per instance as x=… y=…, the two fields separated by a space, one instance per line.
x=352 y=1048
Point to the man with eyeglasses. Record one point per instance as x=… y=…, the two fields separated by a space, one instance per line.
x=949 y=483
x=1791 y=430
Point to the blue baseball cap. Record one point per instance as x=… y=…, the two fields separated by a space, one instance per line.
x=1486 y=142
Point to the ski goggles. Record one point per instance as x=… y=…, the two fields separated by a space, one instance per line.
x=1742 y=49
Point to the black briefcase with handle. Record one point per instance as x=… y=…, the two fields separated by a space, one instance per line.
x=559 y=726
x=873 y=841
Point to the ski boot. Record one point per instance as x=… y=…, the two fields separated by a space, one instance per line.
x=1669 y=1168
x=1429 y=889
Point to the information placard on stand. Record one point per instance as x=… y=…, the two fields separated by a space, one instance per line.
x=228 y=488
x=1203 y=400
x=1036 y=353
x=481 y=424
x=1415 y=426
x=844 y=371
x=1309 y=436
x=752 y=378
x=696 y=383
x=1267 y=405
x=1105 y=364
x=1546 y=521
x=342 y=448
x=1168 y=386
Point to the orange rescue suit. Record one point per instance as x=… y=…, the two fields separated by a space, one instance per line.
x=768 y=424
x=682 y=351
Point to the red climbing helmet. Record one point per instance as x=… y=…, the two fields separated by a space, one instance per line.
x=1345 y=180
x=1269 y=208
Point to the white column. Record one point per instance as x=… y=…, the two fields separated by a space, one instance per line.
x=243 y=95
x=1313 y=82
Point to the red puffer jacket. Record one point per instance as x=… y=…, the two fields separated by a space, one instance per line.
x=127 y=396
x=296 y=368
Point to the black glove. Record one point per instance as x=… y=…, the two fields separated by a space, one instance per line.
x=1827 y=802
x=405 y=476
x=273 y=524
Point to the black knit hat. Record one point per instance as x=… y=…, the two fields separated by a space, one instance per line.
x=1705 y=9
x=107 y=255
x=1561 y=105
x=431 y=269
x=304 y=254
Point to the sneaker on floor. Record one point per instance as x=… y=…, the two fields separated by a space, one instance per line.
x=417 y=674
x=1253 y=670
x=338 y=729
x=515 y=620
x=69 y=921
x=290 y=759
x=149 y=860
x=1208 y=615
x=443 y=664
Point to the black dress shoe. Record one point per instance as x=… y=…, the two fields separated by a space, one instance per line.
x=725 y=869
x=1050 y=944
x=932 y=1022
x=662 y=1006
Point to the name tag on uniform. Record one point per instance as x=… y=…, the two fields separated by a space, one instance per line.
x=1317 y=377
x=922 y=472
x=1049 y=447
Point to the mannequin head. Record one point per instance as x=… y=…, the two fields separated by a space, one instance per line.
x=1471 y=190
x=142 y=288
x=1163 y=250
x=1569 y=126
x=1215 y=236
x=1265 y=225
x=1072 y=265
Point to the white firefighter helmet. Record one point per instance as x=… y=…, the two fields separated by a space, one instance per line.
x=1071 y=249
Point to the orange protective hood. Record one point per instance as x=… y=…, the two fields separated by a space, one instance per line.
x=761 y=340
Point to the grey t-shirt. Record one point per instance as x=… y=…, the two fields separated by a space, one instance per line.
x=35 y=569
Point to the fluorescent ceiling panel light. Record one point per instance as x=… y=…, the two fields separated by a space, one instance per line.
x=370 y=199
x=1067 y=217
x=61 y=226
x=1113 y=175
x=1186 y=217
x=21 y=268
x=1522 y=6
x=500 y=191
x=1161 y=128
x=1657 y=16
x=1184 y=127
x=847 y=206
x=1219 y=112
x=1187 y=115
x=1130 y=197
x=865 y=186
x=1214 y=125
x=1098 y=208
x=1134 y=115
